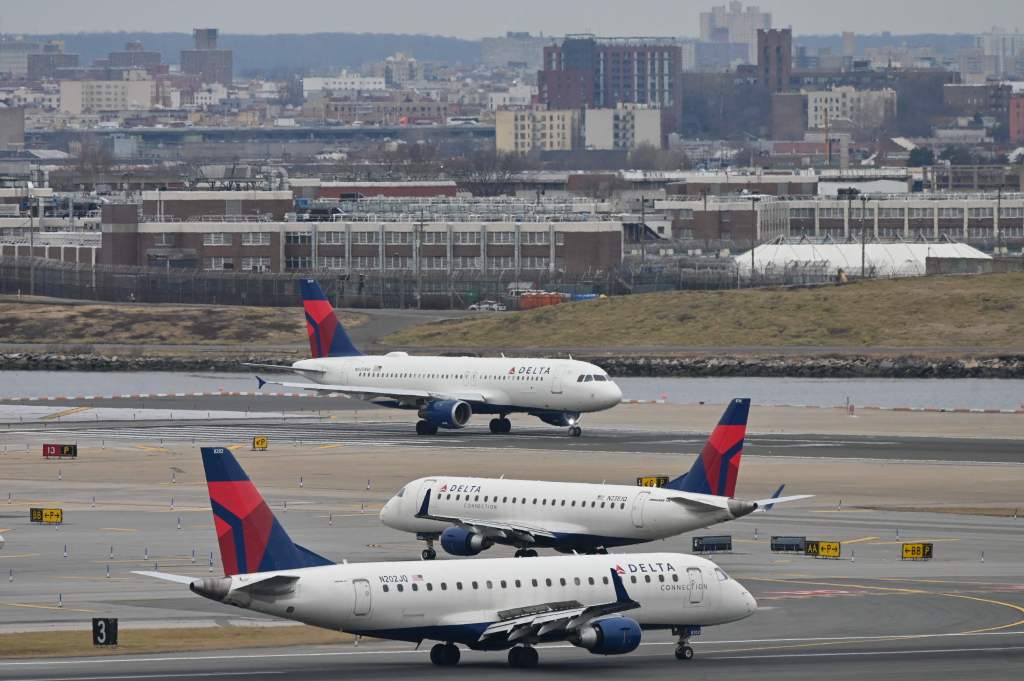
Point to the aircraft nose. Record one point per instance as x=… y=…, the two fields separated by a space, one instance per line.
x=614 y=393
x=743 y=602
x=388 y=511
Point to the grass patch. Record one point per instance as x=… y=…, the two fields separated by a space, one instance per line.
x=976 y=312
x=69 y=326
x=79 y=643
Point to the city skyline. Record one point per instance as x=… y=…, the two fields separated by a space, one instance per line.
x=472 y=20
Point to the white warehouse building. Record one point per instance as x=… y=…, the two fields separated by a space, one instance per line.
x=893 y=259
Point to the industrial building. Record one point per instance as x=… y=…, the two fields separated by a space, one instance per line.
x=892 y=259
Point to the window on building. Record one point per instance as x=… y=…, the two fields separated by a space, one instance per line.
x=217 y=239
x=434 y=237
x=298 y=238
x=398 y=262
x=218 y=263
x=391 y=237
x=501 y=237
x=331 y=262
x=331 y=238
x=364 y=262
x=365 y=237
x=163 y=239
x=256 y=238
x=434 y=262
x=258 y=264
x=302 y=262
x=503 y=262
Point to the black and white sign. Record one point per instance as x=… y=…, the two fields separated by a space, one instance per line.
x=104 y=631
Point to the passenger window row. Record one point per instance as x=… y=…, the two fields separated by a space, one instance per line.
x=458 y=377
x=518 y=584
x=522 y=500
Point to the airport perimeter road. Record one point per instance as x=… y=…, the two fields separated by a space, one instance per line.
x=597 y=439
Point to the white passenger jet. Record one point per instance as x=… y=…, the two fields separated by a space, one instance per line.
x=446 y=391
x=469 y=515
x=599 y=603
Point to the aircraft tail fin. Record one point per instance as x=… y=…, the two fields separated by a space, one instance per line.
x=251 y=539
x=327 y=337
x=717 y=468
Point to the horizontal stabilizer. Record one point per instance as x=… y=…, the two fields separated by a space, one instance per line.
x=166 y=576
x=283 y=367
x=782 y=500
x=275 y=585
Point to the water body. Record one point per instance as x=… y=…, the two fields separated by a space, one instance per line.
x=971 y=393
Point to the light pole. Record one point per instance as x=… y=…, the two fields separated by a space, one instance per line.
x=863 y=234
x=31 y=243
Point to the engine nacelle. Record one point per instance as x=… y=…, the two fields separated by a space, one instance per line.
x=447 y=413
x=460 y=542
x=612 y=636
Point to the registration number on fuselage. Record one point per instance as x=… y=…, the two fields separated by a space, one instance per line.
x=393 y=579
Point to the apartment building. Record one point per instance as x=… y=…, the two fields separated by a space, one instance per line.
x=526 y=130
x=865 y=109
x=88 y=96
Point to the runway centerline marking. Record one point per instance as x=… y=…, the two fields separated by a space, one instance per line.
x=858 y=541
x=45 y=607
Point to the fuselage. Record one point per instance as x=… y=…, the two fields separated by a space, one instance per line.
x=581 y=516
x=457 y=600
x=489 y=384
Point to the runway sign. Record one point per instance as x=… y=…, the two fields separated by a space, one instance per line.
x=712 y=544
x=917 y=551
x=260 y=443
x=61 y=451
x=104 y=631
x=823 y=549
x=652 y=481
x=49 y=516
x=796 y=544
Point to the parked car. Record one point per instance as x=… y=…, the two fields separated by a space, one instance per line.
x=488 y=306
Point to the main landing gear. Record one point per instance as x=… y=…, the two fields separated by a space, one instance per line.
x=683 y=650
x=523 y=657
x=575 y=431
x=526 y=553
x=425 y=428
x=445 y=655
x=500 y=426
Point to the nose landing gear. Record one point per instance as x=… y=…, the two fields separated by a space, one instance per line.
x=425 y=428
x=428 y=553
x=575 y=431
x=683 y=650
x=526 y=553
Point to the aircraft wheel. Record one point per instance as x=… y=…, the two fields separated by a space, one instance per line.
x=429 y=554
x=495 y=426
x=529 y=553
x=519 y=553
x=684 y=653
x=506 y=425
x=523 y=657
x=425 y=428
x=436 y=654
x=450 y=655
x=575 y=431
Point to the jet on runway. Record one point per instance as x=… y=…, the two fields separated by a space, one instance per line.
x=599 y=603
x=446 y=391
x=469 y=515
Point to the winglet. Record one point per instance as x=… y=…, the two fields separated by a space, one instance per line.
x=260 y=383
x=424 y=511
x=620 y=589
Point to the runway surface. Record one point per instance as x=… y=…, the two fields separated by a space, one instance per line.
x=601 y=439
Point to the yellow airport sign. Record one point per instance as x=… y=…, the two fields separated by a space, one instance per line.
x=652 y=480
x=917 y=551
x=823 y=549
x=260 y=443
x=49 y=516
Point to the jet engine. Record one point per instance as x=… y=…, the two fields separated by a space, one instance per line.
x=447 y=413
x=460 y=542
x=612 y=636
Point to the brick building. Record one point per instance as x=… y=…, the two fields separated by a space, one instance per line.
x=774 y=58
x=1016 y=116
x=586 y=72
x=205 y=60
x=191 y=205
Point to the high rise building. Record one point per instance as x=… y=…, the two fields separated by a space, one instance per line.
x=210 y=64
x=136 y=56
x=585 y=72
x=735 y=25
x=1017 y=119
x=774 y=58
x=45 y=64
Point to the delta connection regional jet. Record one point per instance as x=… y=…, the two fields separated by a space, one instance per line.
x=602 y=604
x=446 y=391
x=469 y=515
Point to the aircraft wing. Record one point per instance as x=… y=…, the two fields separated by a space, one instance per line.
x=488 y=528
x=556 y=620
x=363 y=392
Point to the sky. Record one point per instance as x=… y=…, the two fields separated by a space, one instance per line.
x=478 y=18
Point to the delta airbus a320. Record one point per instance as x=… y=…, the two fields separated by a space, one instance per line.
x=602 y=604
x=447 y=391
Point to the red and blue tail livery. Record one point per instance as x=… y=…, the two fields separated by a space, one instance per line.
x=327 y=337
x=717 y=468
x=250 y=537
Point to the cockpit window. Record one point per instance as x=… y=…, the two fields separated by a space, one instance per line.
x=599 y=377
x=581 y=378
x=400 y=492
x=722 y=577
x=588 y=379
